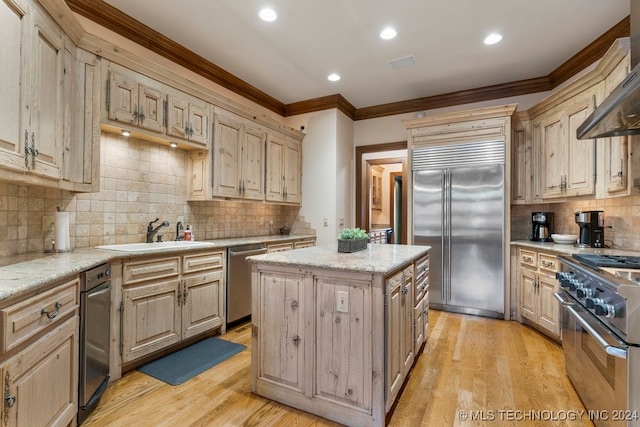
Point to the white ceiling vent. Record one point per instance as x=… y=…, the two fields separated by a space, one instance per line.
x=403 y=62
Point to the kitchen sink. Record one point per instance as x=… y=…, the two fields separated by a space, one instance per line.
x=141 y=247
x=633 y=276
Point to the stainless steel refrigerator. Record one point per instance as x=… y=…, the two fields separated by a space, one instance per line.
x=459 y=210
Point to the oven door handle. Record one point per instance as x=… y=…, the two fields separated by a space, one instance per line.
x=609 y=349
x=561 y=299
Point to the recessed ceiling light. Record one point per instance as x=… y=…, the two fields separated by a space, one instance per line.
x=268 y=14
x=333 y=77
x=388 y=33
x=492 y=38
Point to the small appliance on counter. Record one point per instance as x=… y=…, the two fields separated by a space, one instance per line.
x=591 y=225
x=541 y=226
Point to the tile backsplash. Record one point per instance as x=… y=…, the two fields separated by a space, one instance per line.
x=139 y=182
x=621 y=219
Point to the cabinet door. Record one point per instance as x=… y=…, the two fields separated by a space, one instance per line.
x=151 y=108
x=282 y=307
x=343 y=368
x=550 y=155
x=177 y=116
x=276 y=147
x=292 y=172
x=123 y=99
x=549 y=311
x=579 y=175
x=528 y=294
x=202 y=298
x=394 y=334
x=46 y=108
x=226 y=157
x=521 y=175
x=151 y=318
x=199 y=178
x=253 y=163
x=199 y=123
x=43 y=380
x=15 y=56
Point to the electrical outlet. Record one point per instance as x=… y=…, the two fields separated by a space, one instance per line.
x=341 y=222
x=47 y=223
x=326 y=222
x=342 y=304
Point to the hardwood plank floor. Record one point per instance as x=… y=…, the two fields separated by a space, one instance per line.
x=505 y=372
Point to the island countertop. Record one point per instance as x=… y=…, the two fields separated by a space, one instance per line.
x=377 y=258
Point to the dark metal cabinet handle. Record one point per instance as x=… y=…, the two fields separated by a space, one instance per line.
x=49 y=315
x=294 y=304
x=185 y=293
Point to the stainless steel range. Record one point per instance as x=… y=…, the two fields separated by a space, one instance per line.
x=600 y=296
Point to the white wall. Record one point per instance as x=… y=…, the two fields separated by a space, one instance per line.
x=345 y=175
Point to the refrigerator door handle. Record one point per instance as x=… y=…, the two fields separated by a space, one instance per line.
x=446 y=237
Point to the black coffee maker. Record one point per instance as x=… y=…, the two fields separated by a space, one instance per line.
x=591 y=225
x=541 y=226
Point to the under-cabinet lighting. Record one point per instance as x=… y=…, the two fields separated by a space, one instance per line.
x=173 y=144
x=126 y=133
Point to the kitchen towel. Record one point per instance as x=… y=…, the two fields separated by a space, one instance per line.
x=61 y=229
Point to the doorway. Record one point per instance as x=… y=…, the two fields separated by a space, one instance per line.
x=396 y=195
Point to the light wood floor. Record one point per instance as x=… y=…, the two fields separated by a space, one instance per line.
x=508 y=371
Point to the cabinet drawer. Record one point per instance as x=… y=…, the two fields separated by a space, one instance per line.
x=548 y=262
x=304 y=243
x=408 y=272
x=140 y=271
x=27 y=318
x=422 y=268
x=279 y=247
x=394 y=281
x=202 y=261
x=528 y=258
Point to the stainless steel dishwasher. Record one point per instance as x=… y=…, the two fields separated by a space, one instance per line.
x=239 y=281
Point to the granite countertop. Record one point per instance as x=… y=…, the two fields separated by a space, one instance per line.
x=564 y=249
x=381 y=259
x=20 y=274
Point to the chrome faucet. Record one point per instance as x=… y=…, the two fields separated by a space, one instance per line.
x=151 y=232
x=179 y=228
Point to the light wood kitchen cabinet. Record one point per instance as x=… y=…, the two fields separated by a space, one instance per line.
x=188 y=118
x=521 y=160
x=565 y=165
x=537 y=284
x=376 y=187
x=421 y=301
x=284 y=160
x=400 y=331
x=135 y=103
x=312 y=326
x=167 y=300
x=32 y=88
x=238 y=158
x=40 y=357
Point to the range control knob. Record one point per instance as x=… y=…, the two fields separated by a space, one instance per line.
x=606 y=310
x=575 y=284
x=592 y=302
x=585 y=292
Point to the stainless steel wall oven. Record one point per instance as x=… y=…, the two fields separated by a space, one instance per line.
x=601 y=335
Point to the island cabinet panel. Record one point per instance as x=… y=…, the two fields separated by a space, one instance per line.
x=343 y=324
x=282 y=314
x=336 y=336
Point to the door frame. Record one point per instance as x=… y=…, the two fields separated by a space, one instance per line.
x=403 y=220
x=363 y=173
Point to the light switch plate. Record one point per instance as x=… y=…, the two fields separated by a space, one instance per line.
x=342 y=303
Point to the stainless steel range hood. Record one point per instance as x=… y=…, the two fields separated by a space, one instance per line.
x=619 y=113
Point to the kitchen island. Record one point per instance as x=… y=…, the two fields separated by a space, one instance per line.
x=335 y=334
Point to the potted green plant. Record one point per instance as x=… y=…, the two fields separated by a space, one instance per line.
x=352 y=240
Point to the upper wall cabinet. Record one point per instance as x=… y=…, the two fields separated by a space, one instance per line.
x=565 y=165
x=152 y=110
x=236 y=166
x=521 y=160
x=39 y=67
x=284 y=159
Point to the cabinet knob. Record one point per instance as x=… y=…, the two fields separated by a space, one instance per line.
x=9 y=400
x=294 y=304
x=296 y=340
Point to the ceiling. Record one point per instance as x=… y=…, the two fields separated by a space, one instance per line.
x=289 y=59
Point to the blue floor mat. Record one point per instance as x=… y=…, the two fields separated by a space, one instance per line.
x=185 y=364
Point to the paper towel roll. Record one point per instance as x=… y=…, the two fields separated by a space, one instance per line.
x=61 y=228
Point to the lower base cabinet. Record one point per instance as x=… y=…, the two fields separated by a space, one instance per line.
x=41 y=382
x=338 y=344
x=167 y=300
